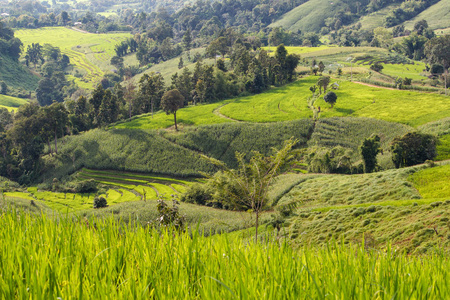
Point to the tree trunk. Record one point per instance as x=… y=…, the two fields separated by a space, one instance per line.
x=151 y=104
x=445 y=79
x=256 y=224
x=56 y=143
x=129 y=108
x=49 y=146
x=175 y=119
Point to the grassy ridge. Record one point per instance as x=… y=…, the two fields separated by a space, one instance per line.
x=114 y=261
x=126 y=150
x=435 y=15
x=223 y=140
x=309 y=16
x=15 y=75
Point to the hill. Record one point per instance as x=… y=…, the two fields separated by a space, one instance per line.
x=312 y=15
x=90 y=53
x=16 y=76
x=309 y=16
x=437 y=16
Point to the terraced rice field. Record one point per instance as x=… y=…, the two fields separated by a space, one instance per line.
x=89 y=53
x=121 y=187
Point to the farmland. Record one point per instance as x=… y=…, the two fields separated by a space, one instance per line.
x=291 y=102
x=102 y=261
x=89 y=53
x=11 y=103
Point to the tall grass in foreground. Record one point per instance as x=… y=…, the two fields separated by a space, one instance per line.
x=98 y=259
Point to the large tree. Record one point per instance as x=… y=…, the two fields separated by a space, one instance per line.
x=152 y=88
x=370 y=148
x=437 y=50
x=413 y=148
x=171 y=101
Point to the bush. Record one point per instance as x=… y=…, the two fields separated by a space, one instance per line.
x=85 y=186
x=377 y=67
x=100 y=202
x=198 y=194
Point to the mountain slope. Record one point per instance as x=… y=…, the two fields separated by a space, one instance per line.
x=309 y=16
x=437 y=16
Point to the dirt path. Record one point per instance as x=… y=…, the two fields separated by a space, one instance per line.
x=376 y=86
x=79 y=30
x=217 y=112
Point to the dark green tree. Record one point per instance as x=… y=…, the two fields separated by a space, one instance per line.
x=152 y=88
x=437 y=50
x=330 y=98
x=171 y=101
x=369 y=149
x=413 y=148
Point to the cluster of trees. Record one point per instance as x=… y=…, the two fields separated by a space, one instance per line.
x=23 y=135
x=9 y=45
x=53 y=86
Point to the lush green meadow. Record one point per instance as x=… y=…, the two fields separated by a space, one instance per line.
x=88 y=52
x=11 y=103
x=103 y=259
x=291 y=102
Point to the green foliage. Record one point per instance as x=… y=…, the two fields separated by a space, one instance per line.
x=100 y=202
x=247 y=186
x=369 y=149
x=377 y=67
x=413 y=148
x=170 y=216
x=196 y=267
x=330 y=98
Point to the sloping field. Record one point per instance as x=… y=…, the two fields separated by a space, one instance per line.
x=11 y=103
x=291 y=102
x=309 y=16
x=85 y=50
x=437 y=16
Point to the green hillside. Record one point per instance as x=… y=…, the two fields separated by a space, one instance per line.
x=437 y=16
x=15 y=75
x=11 y=103
x=90 y=53
x=309 y=16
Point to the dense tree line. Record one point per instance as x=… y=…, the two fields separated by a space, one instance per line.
x=9 y=45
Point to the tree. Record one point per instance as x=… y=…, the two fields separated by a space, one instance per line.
x=152 y=88
x=117 y=61
x=437 y=50
x=171 y=101
x=323 y=82
x=3 y=88
x=369 y=149
x=251 y=181
x=180 y=63
x=187 y=40
x=413 y=148
x=330 y=98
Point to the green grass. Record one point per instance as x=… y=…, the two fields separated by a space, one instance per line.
x=90 y=53
x=297 y=50
x=435 y=15
x=11 y=103
x=433 y=182
x=439 y=127
x=191 y=115
x=416 y=71
x=290 y=102
x=443 y=148
x=309 y=16
x=102 y=259
x=329 y=190
x=16 y=76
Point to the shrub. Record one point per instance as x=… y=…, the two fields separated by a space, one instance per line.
x=100 y=202
x=377 y=67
